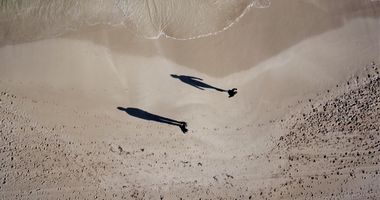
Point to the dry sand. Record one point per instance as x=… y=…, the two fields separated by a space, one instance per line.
x=304 y=124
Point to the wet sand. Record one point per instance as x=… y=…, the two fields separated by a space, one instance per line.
x=303 y=125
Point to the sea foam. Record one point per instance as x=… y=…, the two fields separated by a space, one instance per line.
x=25 y=20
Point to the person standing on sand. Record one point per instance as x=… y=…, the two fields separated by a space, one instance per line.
x=232 y=92
x=199 y=84
x=136 y=112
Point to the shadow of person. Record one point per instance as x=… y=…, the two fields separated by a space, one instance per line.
x=199 y=84
x=135 y=112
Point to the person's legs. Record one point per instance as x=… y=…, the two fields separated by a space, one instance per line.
x=182 y=125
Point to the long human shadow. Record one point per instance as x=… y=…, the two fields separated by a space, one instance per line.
x=136 y=112
x=199 y=84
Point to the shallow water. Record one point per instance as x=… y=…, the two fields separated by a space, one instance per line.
x=24 y=20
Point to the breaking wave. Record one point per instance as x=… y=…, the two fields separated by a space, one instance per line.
x=25 y=20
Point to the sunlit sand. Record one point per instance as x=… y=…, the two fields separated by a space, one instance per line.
x=248 y=100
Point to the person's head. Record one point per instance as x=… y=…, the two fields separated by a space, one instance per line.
x=174 y=75
x=232 y=92
x=183 y=128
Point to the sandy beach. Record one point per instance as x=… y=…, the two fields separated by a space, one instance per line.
x=99 y=112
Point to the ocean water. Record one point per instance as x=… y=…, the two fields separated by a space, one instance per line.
x=26 y=20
